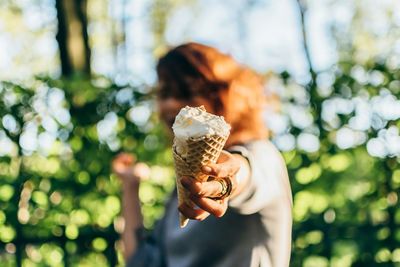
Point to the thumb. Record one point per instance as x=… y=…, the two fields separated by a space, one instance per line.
x=141 y=170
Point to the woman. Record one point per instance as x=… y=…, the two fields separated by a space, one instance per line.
x=251 y=226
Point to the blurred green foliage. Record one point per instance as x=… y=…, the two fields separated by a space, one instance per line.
x=61 y=206
x=346 y=193
x=59 y=203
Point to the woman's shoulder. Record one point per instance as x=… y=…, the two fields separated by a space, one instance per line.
x=260 y=143
x=263 y=156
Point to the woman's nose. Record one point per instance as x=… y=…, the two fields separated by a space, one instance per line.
x=170 y=105
x=169 y=108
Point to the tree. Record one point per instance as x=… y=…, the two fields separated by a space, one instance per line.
x=72 y=36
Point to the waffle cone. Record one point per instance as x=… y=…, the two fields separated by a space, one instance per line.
x=200 y=152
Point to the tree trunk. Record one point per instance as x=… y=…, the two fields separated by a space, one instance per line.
x=72 y=37
x=81 y=12
x=62 y=40
x=315 y=99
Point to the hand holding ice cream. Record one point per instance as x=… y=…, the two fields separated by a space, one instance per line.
x=199 y=140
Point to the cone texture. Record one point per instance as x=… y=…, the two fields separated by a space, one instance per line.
x=200 y=152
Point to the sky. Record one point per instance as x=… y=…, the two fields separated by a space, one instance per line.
x=263 y=34
x=266 y=36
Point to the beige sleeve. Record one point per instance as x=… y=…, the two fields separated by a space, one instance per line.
x=268 y=179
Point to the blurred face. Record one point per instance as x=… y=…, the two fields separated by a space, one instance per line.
x=170 y=105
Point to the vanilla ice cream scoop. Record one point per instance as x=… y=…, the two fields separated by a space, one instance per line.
x=196 y=123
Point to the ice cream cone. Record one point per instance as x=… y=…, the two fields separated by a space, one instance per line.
x=201 y=151
x=199 y=139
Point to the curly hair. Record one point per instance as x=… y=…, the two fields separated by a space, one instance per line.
x=233 y=90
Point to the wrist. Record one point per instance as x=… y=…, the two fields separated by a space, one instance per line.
x=130 y=184
x=242 y=176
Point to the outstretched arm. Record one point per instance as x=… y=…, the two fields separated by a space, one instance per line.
x=130 y=174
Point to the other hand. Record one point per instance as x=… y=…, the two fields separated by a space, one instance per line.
x=124 y=165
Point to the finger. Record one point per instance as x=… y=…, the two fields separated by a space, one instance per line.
x=141 y=170
x=226 y=168
x=192 y=213
x=125 y=158
x=215 y=207
x=122 y=161
x=224 y=156
x=119 y=166
x=211 y=188
x=116 y=166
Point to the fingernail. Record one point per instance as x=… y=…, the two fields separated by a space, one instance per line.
x=206 y=169
x=184 y=182
x=192 y=197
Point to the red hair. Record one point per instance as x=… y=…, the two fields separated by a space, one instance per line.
x=233 y=90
